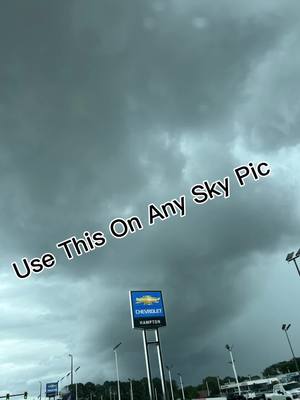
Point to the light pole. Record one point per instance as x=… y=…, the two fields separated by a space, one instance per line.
x=76 y=393
x=71 y=355
x=131 y=390
x=117 y=369
x=285 y=328
x=181 y=385
x=218 y=380
x=170 y=379
x=233 y=367
x=291 y=257
x=207 y=388
x=40 y=397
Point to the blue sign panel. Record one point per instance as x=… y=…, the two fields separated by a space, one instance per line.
x=147 y=309
x=51 y=389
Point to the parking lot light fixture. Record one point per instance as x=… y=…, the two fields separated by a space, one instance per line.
x=229 y=348
x=117 y=369
x=170 y=379
x=285 y=328
x=181 y=385
x=291 y=257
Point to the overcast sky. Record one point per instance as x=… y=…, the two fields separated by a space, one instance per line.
x=107 y=106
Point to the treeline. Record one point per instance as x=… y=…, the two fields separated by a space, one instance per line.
x=109 y=391
x=209 y=386
x=282 y=367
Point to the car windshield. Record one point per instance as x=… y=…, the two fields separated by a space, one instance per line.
x=293 y=385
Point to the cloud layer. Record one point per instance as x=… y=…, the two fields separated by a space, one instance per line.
x=106 y=107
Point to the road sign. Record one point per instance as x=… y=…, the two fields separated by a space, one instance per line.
x=51 y=389
x=147 y=309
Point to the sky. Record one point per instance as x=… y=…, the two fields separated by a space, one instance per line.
x=107 y=106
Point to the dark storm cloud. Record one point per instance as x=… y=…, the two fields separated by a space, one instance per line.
x=225 y=236
x=107 y=106
x=69 y=85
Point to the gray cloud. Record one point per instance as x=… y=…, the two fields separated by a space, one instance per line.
x=109 y=106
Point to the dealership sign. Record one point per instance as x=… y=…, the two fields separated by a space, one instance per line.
x=147 y=309
x=51 y=389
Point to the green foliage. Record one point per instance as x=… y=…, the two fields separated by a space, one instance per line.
x=191 y=392
x=212 y=383
x=281 y=367
x=108 y=390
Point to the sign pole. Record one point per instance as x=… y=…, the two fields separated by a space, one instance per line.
x=147 y=313
x=147 y=364
x=161 y=366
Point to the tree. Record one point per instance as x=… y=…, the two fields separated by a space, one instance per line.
x=191 y=392
x=282 y=367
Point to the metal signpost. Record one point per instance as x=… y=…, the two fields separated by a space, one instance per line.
x=52 y=389
x=148 y=313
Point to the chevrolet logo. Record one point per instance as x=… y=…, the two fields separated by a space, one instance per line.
x=147 y=300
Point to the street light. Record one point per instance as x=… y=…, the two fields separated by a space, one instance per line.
x=76 y=395
x=285 y=328
x=233 y=366
x=170 y=379
x=131 y=390
x=117 y=369
x=71 y=355
x=291 y=257
x=207 y=388
x=218 y=380
x=40 y=397
x=181 y=385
